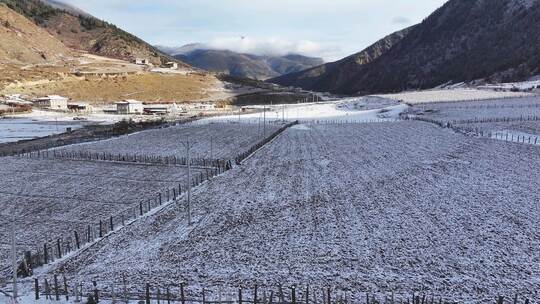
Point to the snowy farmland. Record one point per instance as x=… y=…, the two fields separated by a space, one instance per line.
x=380 y=208
x=209 y=140
x=435 y=96
x=358 y=109
x=50 y=199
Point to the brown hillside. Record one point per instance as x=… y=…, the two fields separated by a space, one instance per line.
x=21 y=41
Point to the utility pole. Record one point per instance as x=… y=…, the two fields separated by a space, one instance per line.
x=211 y=147
x=259 y=127
x=14 y=258
x=264 y=122
x=188 y=148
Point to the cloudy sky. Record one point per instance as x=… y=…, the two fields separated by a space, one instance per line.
x=331 y=29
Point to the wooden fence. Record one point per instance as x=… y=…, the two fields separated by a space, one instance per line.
x=126 y=158
x=242 y=156
x=58 y=288
x=348 y=122
x=507 y=136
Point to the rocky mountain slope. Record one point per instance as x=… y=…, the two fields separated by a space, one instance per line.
x=241 y=65
x=21 y=41
x=84 y=32
x=464 y=40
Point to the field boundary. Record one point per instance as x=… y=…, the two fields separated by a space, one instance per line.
x=507 y=136
x=126 y=158
x=58 y=287
x=244 y=156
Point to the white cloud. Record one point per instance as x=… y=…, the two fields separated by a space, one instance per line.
x=272 y=46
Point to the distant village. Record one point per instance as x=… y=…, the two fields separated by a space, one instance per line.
x=15 y=103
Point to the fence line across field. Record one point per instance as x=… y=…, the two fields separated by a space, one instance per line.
x=348 y=122
x=506 y=136
x=472 y=100
x=57 y=288
x=125 y=158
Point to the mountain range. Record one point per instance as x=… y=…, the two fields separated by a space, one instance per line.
x=241 y=64
x=464 y=40
x=81 y=31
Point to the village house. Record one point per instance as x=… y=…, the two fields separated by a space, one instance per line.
x=129 y=106
x=172 y=65
x=80 y=107
x=142 y=61
x=157 y=109
x=53 y=102
x=204 y=106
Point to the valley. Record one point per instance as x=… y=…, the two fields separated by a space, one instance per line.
x=249 y=169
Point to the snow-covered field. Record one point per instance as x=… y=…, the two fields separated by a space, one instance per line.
x=50 y=199
x=358 y=109
x=523 y=127
x=389 y=207
x=432 y=96
x=524 y=85
x=508 y=108
x=209 y=140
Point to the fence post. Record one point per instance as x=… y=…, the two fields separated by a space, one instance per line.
x=100 y=229
x=47 y=290
x=36 y=288
x=66 y=293
x=45 y=254
x=124 y=283
x=239 y=295
x=96 y=292
x=58 y=247
x=56 y=293
x=77 y=241
x=147 y=293
x=328 y=295
x=255 y=295
x=293 y=295
x=307 y=294
x=112 y=224
x=182 y=295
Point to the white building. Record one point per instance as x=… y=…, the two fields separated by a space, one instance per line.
x=142 y=61
x=204 y=106
x=129 y=106
x=53 y=102
x=172 y=65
